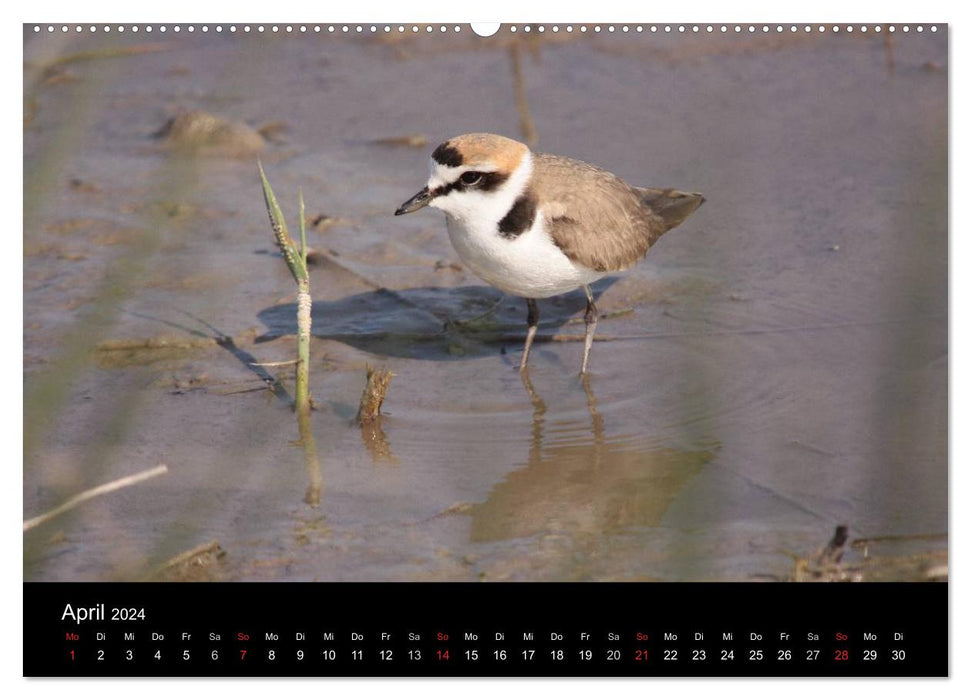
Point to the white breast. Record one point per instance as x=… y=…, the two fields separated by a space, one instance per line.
x=529 y=265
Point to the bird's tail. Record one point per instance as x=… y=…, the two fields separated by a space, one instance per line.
x=671 y=206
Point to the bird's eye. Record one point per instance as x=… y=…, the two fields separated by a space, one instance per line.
x=470 y=177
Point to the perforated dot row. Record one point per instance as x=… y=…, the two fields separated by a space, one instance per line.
x=246 y=28
x=414 y=28
x=723 y=28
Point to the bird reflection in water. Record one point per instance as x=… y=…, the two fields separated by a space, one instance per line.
x=583 y=485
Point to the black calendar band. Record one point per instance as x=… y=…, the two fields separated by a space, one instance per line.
x=503 y=629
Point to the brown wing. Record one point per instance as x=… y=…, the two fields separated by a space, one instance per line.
x=597 y=219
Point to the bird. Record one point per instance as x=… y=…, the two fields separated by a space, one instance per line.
x=537 y=225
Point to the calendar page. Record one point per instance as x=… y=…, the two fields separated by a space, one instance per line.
x=591 y=349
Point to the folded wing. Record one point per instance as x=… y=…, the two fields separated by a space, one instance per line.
x=597 y=219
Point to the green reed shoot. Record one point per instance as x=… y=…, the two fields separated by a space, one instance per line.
x=297 y=263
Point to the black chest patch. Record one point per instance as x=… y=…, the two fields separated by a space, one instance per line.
x=520 y=217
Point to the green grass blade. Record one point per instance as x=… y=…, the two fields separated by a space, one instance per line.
x=295 y=261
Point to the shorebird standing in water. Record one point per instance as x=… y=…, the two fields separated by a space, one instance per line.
x=537 y=225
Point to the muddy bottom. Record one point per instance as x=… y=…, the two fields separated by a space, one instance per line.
x=777 y=365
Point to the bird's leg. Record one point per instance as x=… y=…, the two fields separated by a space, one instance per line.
x=532 y=318
x=590 y=318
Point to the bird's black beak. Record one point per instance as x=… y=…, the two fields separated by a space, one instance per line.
x=415 y=203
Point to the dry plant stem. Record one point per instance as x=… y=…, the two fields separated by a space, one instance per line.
x=522 y=104
x=378 y=381
x=77 y=500
x=889 y=52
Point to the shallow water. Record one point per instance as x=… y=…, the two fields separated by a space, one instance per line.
x=782 y=367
